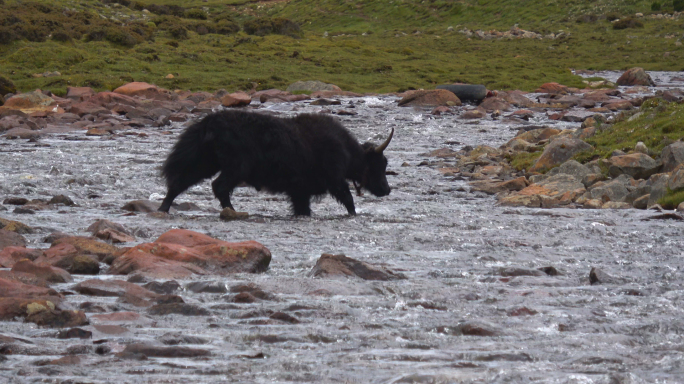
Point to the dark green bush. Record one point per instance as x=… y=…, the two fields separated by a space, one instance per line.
x=278 y=26
x=628 y=22
x=678 y=5
x=6 y=86
x=610 y=16
x=96 y=34
x=178 y=32
x=120 y=36
x=61 y=36
x=656 y=6
x=196 y=14
x=587 y=19
x=7 y=35
x=227 y=27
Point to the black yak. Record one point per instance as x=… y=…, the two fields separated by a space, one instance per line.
x=303 y=156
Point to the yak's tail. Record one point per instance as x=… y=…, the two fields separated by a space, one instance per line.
x=191 y=160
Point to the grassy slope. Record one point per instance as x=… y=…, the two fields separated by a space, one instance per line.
x=391 y=57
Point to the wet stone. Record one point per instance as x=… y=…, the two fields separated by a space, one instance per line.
x=57 y=319
x=206 y=287
x=157 y=351
x=178 y=309
x=342 y=266
x=177 y=338
x=74 y=333
x=164 y=288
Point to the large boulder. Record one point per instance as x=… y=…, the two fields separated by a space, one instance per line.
x=116 y=288
x=676 y=181
x=237 y=99
x=182 y=253
x=11 y=239
x=638 y=165
x=552 y=88
x=554 y=191
x=10 y=255
x=610 y=190
x=559 y=151
x=79 y=93
x=635 y=76
x=672 y=156
x=30 y=102
x=429 y=98
x=43 y=271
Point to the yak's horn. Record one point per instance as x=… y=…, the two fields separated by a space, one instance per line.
x=384 y=145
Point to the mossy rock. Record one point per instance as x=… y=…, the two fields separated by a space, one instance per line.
x=6 y=86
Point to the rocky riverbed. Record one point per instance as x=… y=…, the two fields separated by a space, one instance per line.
x=478 y=292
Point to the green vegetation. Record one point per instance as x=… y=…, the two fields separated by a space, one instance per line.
x=524 y=160
x=657 y=124
x=672 y=199
x=360 y=45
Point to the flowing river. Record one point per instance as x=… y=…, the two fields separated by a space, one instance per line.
x=467 y=264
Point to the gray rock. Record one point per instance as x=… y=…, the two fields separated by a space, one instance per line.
x=572 y=168
x=612 y=190
x=672 y=156
x=658 y=184
x=637 y=165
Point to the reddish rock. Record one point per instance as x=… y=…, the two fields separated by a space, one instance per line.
x=79 y=93
x=10 y=255
x=476 y=113
x=617 y=105
x=491 y=104
x=89 y=108
x=75 y=261
x=25 y=278
x=557 y=190
x=635 y=76
x=237 y=99
x=118 y=288
x=637 y=165
x=537 y=135
x=439 y=110
x=429 y=98
x=88 y=245
x=517 y=99
x=57 y=318
x=11 y=239
x=552 y=88
x=30 y=102
x=495 y=186
x=47 y=272
x=111 y=99
x=145 y=90
x=23 y=134
x=342 y=266
x=181 y=253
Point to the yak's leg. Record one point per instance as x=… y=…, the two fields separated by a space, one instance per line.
x=301 y=204
x=223 y=187
x=173 y=192
x=342 y=194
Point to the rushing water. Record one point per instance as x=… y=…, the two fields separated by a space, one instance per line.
x=450 y=244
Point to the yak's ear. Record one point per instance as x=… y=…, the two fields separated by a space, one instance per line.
x=384 y=145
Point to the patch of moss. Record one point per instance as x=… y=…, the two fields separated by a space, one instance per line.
x=524 y=160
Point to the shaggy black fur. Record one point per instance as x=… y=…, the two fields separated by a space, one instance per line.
x=304 y=156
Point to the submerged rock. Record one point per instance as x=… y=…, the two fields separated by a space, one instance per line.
x=342 y=266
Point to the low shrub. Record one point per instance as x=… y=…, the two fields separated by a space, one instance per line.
x=678 y=5
x=196 y=14
x=120 y=36
x=61 y=36
x=178 y=32
x=628 y=23
x=227 y=27
x=656 y=6
x=7 y=35
x=610 y=16
x=587 y=19
x=277 y=26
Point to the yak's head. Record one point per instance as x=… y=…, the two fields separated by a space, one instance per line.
x=375 y=166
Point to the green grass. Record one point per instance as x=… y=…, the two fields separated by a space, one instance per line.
x=658 y=124
x=406 y=45
x=672 y=200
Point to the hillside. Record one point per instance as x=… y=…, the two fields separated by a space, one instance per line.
x=363 y=46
